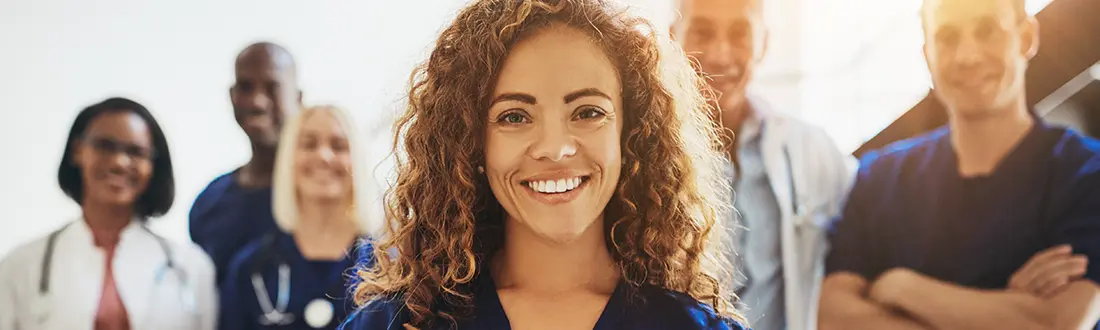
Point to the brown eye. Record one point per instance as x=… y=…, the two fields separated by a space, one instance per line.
x=590 y=112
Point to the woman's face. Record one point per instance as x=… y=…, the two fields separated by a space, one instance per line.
x=115 y=157
x=322 y=162
x=552 y=154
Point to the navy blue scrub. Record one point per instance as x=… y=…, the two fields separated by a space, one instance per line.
x=309 y=280
x=910 y=208
x=227 y=216
x=662 y=309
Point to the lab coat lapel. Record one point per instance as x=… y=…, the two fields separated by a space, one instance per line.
x=76 y=278
x=137 y=259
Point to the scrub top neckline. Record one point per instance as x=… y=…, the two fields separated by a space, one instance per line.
x=1013 y=161
x=492 y=310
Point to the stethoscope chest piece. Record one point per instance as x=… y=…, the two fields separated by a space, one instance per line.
x=318 y=313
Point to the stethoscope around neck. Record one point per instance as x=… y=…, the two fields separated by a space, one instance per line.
x=44 y=306
x=318 y=313
x=272 y=314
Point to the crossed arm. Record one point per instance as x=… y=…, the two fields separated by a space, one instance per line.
x=904 y=299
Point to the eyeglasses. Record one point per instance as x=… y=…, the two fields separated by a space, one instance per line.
x=111 y=147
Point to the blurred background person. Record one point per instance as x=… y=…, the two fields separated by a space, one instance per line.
x=296 y=278
x=557 y=170
x=107 y=269
x=235 y=208
x=960 y=228
x=789 y=178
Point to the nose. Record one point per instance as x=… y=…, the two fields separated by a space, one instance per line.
x=120 y=161
x=554 y=142
x=326 y=154
x=259 y=100
x=720 y=54
x=968 y=54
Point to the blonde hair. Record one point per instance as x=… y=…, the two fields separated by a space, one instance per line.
x=284 y=186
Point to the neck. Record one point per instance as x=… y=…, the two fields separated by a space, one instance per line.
x=733 y=115
x=530 y=262
x=107 y=221
x=981 y=143
x=324 y=230
x=258 y=171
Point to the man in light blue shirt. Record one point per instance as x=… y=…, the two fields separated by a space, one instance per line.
x=789 y=177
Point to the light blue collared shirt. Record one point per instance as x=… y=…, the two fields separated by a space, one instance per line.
x=759 y=259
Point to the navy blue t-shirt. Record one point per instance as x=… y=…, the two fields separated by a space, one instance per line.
x=226 y=216
x=657 y=309
x=309 y=281
x=910 y=208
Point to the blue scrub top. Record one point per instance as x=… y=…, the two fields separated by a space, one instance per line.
x=910 y=208
x=658 y=309
x=309 y=280
x=226 y=216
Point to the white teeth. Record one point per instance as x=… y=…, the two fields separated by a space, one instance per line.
x=555 y=186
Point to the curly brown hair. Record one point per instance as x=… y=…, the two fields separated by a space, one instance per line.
x=662 y=225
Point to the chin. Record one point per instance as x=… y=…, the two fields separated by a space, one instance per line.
x=558 y=228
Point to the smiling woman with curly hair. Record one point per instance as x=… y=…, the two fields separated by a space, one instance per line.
x=557 y=170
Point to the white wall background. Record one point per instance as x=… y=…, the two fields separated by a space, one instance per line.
x=176 y=57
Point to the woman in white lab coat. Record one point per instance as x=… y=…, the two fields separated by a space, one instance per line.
x=106 y=269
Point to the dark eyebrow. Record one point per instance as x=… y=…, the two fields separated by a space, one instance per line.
x=584 y=92
x=518 y=97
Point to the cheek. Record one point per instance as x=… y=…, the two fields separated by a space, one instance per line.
x=503 y=152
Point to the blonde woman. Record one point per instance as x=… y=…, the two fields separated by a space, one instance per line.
x=296 y=278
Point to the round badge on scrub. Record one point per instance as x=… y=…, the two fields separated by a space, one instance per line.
x=318 y=313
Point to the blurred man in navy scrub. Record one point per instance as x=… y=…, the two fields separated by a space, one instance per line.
x=991 y=222
x=790 y=179
x=236 y=207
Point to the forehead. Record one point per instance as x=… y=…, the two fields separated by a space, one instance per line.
x=261 y=65
x=556 y=61
x=720 y=11
x=959 y=12
x=119 y=125
x=321 y=122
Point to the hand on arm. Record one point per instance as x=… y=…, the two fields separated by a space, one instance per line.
x=948 y=306
x=844 y=305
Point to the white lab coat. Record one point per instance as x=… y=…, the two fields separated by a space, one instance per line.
x=822 y=176
x=76 y=283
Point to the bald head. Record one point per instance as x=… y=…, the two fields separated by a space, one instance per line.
x=266 y=54
x=265 y=92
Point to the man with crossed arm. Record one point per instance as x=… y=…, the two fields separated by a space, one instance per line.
x=987 y=223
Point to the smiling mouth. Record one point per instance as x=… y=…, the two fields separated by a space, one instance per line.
x=555 y=186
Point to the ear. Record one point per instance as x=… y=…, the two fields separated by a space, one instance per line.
x=1029 y=37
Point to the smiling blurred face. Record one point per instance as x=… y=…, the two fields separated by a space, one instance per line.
x=977 y=52
x=727 y=38
x=322 y=162
x=552 y=145
x=115 y=158
x=264 y=95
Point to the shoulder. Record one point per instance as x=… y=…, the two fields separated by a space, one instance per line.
x=211 y=192
x=1076 y=151
x=24 y=256
x=378 y=314
x=666 y=309
x=248 y=253
x=889 y=158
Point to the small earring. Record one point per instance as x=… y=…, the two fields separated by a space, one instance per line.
x=481 y=169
